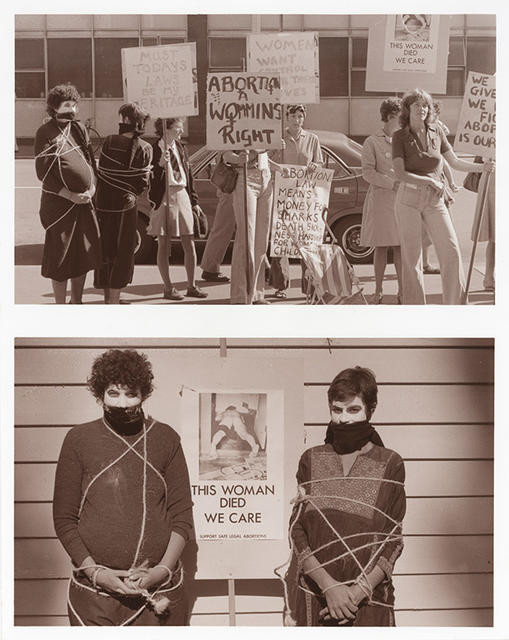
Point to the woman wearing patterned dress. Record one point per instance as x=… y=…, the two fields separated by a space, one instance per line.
x=65 y=165
x=346 y=527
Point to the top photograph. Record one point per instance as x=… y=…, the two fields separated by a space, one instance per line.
x=255 y=159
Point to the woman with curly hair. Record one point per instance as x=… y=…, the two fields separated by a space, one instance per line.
x=65 y=164
x=122 y=504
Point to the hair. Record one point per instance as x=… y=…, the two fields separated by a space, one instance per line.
x=134 y=113
x=126 y=368
x=420 y=17
x=408 y=99
x=158 y=124
x=356 y=381
x=390 y=107
x=293 y=108
x=59 y=94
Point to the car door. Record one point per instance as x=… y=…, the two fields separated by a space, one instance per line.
x=344 y=188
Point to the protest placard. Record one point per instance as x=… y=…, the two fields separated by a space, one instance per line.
x=243 y=111
x=162 y=79
x=298 y=204
x=411 y=42
x=476 y=130
x=294 y=56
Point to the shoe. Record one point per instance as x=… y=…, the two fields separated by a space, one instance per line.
x=429 y=270
x=280 y=294
x=377 y=298
x=195 y=292
x=262 y=301
x=209 y=276
x=173 y=294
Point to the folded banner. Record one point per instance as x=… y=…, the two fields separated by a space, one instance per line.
x=299 y=201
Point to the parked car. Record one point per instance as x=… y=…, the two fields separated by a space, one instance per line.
x=348 y=192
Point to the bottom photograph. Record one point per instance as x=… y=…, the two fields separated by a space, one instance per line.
x=253 y=482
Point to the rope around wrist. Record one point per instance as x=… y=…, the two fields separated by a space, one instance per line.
x=331 y=586
x=93 y=579
x=170 y=572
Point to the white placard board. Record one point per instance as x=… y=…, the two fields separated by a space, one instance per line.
x=411 y=43
x=294 y=56
x=476 y=130
x=243 y=111
x=297 y=209
x=162 y=79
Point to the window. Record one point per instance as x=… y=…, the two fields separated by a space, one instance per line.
x=329 y=162
x=481 y=55
x=29 y=64
x=108 y=65
x=333 y=53
x=227 y=54
x=70 y=61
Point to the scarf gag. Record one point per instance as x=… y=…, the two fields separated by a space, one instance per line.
x=352 y=436
x=126 y=421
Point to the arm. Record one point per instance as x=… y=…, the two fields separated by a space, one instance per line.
x=369 y=170
x=46 y=161
x=140 y=183
x=398 y=164
x=193 y=196
x=463 y=165
x=317 y=159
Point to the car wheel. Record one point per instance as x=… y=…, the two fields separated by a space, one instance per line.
x=144 y=243
x=347 y=231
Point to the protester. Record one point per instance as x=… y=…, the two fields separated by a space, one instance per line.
x=124 y=171
x=346 y=525
x=300 y=147
x=172 y=176
x=223 y=229
x=65 y=164
x=487 y=234
x=122 y=504
x=379 y=227
x=418 y=150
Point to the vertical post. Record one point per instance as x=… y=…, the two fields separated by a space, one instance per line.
x=249 y=287
x=223 y=349
x=231 y=602
x=480 y=207
x=166 y=173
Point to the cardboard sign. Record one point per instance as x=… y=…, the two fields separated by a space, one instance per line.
x=243 y=111
x=294 y=56
x=162 y=79
x=411 y=43
x=298 y=204
x=476 y=130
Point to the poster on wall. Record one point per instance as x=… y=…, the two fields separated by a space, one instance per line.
x=163 y=80
x=237 y=478
x=243 y=111
x=298 y=203
x=476 y=130
x=411 y=42
x=294 y=56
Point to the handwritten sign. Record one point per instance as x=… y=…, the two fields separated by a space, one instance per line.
x=294 y=56
x=297 y=209
x=243 y=111
x=476 y=130
x=411 y=43
x=162 y=79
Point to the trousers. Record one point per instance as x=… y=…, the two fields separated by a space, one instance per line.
x=251 y=255
x=220 y=235
x=415 y=208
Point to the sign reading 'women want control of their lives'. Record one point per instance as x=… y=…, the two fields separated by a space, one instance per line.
x=294 y=56
x=299 y=201
x=476 y=130
x=243 y=111
x=162 y=79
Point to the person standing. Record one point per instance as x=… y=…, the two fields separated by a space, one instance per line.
x=65 y=164
x=379 y=227
x=302 y=148
x=122 y=504
x=418 y=149
x=124 y=171
x=220 y=236
x=174 y=197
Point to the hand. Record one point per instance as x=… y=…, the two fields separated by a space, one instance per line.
x=340 y=603
x=111 y=580
x=455 y=188
x=488 y=166
x=143 y=578
x=242 y=157
x=198 y=209
x=283 y=145
x=312 y=166
x=436 y=184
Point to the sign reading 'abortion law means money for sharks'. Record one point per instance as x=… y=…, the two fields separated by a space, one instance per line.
x=298 y=204
x=476 y=130
x=162 y=79
x=243 y=111
x=295 y=56
x=411 y=43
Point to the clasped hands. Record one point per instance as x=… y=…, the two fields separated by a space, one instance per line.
x=130 y=582
x=342 y=603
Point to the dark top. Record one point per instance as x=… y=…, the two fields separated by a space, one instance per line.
x=97 y=468
x=157 y=179
x=421 y=161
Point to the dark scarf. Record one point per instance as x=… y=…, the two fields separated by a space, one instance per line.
x=350 y=437
x=126 y=421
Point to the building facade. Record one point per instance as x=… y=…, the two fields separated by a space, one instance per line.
x=85 y=50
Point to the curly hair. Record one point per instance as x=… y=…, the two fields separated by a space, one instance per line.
x=357 y=381
x=59 y=94
x=126 y=368
x=158 y=124
x=408 y=99
x=390 y=107
x=134 y=113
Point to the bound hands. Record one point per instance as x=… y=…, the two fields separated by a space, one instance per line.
x=342 y=603
x=78 y=198
x=142 y=578
x=130 y=582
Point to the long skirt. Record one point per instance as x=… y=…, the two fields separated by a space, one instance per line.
x=118 y=240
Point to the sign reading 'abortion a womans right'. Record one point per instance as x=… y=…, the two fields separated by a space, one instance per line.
x=476 y=130
x=243 y=111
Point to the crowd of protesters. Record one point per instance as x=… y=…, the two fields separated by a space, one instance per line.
x=89 y=209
